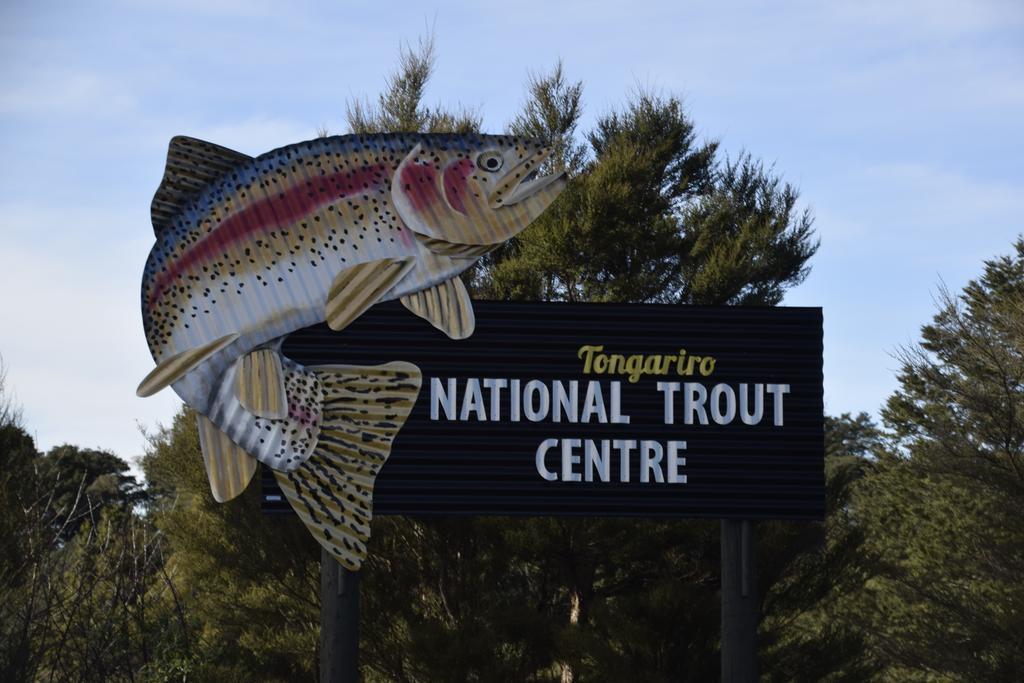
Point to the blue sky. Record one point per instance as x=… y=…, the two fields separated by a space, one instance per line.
x=899 y=121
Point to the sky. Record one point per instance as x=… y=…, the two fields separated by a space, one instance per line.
x=900 y=123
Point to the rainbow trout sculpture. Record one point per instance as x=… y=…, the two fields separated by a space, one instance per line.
x=249 y=250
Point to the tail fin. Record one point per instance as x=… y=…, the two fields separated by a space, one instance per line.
x=332 y=492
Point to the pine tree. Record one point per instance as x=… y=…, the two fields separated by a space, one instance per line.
x=807 y=571
x=918 y=578
x=650 y=214
x=400 y=107
x=943 y=530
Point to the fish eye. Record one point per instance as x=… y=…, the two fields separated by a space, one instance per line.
x=490 y=161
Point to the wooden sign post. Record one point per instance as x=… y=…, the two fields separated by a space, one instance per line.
x=739 y=602
x=339 y=622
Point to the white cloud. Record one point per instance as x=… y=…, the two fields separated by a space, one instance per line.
x=223 y=8
x=55 y=91
x=932 y=197
x=932 y=17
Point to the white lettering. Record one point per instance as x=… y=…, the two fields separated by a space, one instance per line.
x=473 y=401
x=569 y=458
x=650 y=463
x=669 y=389
x=569 y=403
x=675 y=462
x=542 y=451
x=617 y=416
x=720 y=416
x=778 y=391
x=748 y=417
x=624 y=446
x=533 y=389
x=592 y=459
x=440 y=398
x=694 y=397
x=516 y=398
x=495 y=386
x=593 y=403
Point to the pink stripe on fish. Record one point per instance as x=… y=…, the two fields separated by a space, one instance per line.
x=268 y=214
x=420 y=183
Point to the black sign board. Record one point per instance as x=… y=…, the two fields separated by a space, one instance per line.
x=597 y=409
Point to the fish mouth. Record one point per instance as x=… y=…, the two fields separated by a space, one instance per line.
x=524 y=181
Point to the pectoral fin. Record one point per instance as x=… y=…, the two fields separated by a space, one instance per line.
x=357 y=288
x=261 y=384
x=446 y=306
x=228 y=467
x=170 y=370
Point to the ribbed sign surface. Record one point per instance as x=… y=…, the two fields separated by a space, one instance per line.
x=598 y=409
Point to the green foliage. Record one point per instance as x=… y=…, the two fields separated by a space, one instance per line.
x=647 y=205
x=913 y=576
x=650 y=213
x=83 y=479
x=251 y=582
x=918 y=578
x=81 y=575
x=744 y=242
x=815 y=567
x=18 y=493
x=400 y=108
x=10 y=411
x=944 y=533
x=551 y=114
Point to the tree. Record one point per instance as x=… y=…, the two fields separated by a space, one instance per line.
x=650 y=213
x=10 y=411
x=942 y=521
x=648 y=206
x=919 y=575
x=807 y=571
x=249 y=582
x=551 y=114
x=81 y=575
x=81 y=480
x=400 y=107
x=18 y=492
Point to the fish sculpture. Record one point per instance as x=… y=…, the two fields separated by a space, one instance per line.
x=249 y=250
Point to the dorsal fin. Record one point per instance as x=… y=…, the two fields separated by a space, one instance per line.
x=191 y=165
